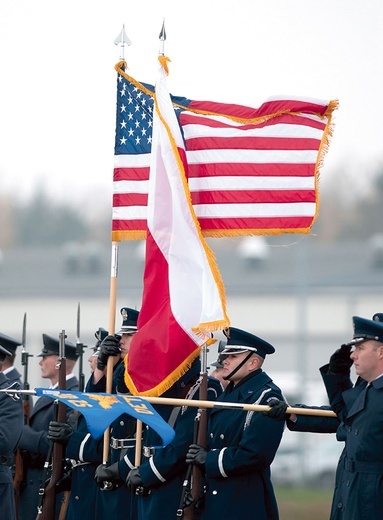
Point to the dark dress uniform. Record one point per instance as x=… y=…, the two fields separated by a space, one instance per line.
x=11 y=424
x=120 y=501
x=163 y=469
x=242 y=447
x=313 y=423
x=13 y=376
x=86 y=455
x=35 y=447
x=11 y=345
x=358 y=493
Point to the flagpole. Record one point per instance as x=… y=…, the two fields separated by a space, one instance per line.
x=196 y=403
x=111 y=331
x=122 y=40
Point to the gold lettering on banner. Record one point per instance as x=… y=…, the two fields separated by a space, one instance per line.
x=80 y=403
x=139 y=407
x=104 y=401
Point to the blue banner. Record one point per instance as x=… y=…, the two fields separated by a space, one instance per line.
x=100 y=410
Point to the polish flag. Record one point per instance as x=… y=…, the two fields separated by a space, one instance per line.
x=183 y=296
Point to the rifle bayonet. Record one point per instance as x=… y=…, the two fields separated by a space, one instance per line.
x=24 y=354
x=80 y=350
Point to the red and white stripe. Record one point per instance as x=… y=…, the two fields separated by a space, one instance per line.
x=246 y=176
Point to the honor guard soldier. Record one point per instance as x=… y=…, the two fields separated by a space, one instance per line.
x=100 y=335
x=358 y=488
x=115 y=346
x=339 y=365
x=11 y=425
x=34 y=441
x=9 y=369
x=14 y=378
x=118 y=501
x=159 y=479
x=122 y=431
x=241 y=446
x=85 y=454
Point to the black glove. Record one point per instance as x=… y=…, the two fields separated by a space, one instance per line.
x=340 y=361
x=107 y=476
x=196 y=455
x=109 y=347
x=277 y=410
x=134 y=479
x=59 y=432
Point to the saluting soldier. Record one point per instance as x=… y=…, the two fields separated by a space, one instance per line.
x=11 y=424
x=9 y=369
x=34 y=441
x=241 y=446
x=358 y=490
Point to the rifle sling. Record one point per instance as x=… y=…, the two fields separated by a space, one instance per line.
x=47 y=463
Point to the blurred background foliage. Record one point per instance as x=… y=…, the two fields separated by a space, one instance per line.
x=348 y=209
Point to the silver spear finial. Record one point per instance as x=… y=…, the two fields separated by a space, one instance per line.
x=123 y=40
x=162 y=38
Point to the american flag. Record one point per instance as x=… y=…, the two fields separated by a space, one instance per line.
x=251 y=171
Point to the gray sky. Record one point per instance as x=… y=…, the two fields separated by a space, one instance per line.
x=57 y=101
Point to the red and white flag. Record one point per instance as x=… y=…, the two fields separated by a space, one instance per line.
x=183 y=298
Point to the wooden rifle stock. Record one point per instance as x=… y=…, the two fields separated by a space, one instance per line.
x=19 y=464
x=47 y=511
x=196 y=489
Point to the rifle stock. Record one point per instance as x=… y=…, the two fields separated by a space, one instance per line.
x=48 y=508
x=19 y=464
x=196 y=488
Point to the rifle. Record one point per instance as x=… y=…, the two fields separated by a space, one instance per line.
x=193 y=484
x=19 y=465
x=80 y=351
x=56 y=455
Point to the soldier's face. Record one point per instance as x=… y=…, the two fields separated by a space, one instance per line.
x=48 y=366
x=125 y=342
x=92 y=362
x=219 y=373
x=368 y=359
x=233 y=360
